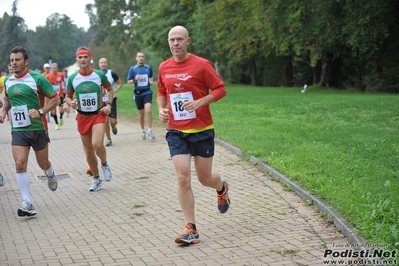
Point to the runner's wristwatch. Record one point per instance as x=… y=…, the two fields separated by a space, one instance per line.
x=40 y=112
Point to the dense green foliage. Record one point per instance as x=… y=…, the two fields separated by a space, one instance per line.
x=57 y=40
x=335 y=43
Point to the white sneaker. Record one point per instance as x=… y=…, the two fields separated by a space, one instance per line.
x=107 y=172
x=151 y=135
x=96 y=184
x=26 y=209
x=143 y=135
x=52 y=182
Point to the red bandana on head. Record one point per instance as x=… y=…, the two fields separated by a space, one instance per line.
x=83 y=52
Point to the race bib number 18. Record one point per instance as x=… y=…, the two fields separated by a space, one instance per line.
x=177 y=100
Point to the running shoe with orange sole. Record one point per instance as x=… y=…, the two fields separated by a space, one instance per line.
x=188 y=236
x=223 y=198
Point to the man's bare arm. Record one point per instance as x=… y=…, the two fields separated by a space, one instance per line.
x=6 y=106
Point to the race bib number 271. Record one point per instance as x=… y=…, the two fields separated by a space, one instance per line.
x=20 y=117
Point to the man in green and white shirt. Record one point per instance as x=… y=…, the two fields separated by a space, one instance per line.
x=25 y=92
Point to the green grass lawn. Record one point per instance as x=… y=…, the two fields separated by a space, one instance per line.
x=342 y=146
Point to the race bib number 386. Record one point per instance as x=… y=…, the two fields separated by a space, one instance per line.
x=176 y=101
x=88 y=102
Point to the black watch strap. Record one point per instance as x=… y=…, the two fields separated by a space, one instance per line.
x=40 y=112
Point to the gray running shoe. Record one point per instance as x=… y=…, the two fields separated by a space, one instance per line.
x=151 y=135
x=26 y=209
x=96 y=184
x=107 y=172
x=2 y=180
x=188 y=236
x=52 y=182
x=143 y=136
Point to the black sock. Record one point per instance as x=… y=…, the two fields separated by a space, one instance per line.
x=192 y=226
x=61 y=115
x=221 y=191
x=104 y=163
x=55 y=119
x=96 y=177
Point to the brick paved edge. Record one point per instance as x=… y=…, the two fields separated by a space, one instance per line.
x=348 y=230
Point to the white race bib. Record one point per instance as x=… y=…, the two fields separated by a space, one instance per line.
x=176 y=101
x=57 y=88
x=143 y=80
x=20 y=117
x=88 y=102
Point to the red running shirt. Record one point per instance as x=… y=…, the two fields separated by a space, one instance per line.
x=189 y=80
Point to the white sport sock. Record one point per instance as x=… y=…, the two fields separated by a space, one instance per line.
x=24 y=184
x=149 y=130
x=49 y=171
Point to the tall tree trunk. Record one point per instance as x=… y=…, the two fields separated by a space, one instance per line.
x=289 y=73
x=314 y=75
x=217 y=69
x=331 y=75
x=254 y=73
